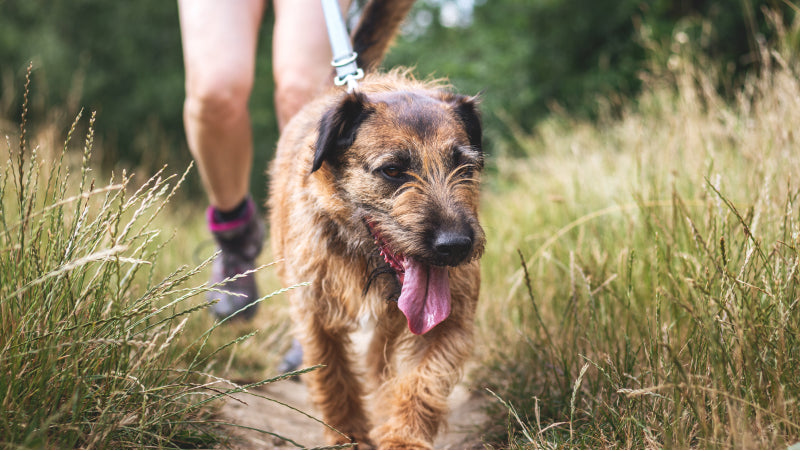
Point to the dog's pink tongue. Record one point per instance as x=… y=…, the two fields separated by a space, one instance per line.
x=425 y=296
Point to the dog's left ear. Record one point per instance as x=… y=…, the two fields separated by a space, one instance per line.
x=466 y=109
x=339 y=126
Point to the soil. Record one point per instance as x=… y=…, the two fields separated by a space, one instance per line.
x=465 y=423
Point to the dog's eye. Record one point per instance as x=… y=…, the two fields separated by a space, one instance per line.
x=393 y=173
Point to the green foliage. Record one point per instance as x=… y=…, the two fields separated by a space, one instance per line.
x=133 y=52
x=575 y=56
x=97 y=348
x=529 y=57
x=84 y=357
x=654 y=301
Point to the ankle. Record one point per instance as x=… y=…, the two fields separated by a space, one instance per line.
x=224 y=221
x=234 y=213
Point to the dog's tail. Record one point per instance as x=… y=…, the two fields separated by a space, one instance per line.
x=379 y=24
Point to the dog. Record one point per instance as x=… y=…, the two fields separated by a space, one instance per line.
x=374 y=201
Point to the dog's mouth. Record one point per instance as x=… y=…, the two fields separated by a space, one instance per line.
x=424 y=289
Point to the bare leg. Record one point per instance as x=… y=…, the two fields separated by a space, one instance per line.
x=301 y=62
x=219 y=48
x=301 y=55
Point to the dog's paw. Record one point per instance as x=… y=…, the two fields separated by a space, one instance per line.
x=363 y=443
x=397 y=441
x=357 y=441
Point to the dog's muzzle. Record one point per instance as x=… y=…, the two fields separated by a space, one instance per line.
x=424 y=288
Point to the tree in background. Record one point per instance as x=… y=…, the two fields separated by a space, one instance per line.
x=529 y=57
x=532 y=57
x=124 y=60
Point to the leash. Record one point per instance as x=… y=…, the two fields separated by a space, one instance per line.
x=344 y=58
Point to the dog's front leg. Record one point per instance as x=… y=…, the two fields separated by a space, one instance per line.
x=335 y=388
x=417 y=398
x=382 y=348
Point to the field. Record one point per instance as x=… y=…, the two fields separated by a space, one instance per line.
x=640 y=283
x=654 y=298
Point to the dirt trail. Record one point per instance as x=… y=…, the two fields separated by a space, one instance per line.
x=465 y=421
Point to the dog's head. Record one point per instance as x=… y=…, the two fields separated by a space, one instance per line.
x=407 y=164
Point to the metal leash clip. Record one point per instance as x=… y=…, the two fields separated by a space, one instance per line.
x=349 y=78
x=344 y=58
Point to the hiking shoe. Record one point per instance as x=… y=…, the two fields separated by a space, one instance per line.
x=293 y=359
x=240 y=241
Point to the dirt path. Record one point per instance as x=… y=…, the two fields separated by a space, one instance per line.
x=465 y=421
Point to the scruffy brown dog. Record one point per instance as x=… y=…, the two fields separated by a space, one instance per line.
x=374 y=201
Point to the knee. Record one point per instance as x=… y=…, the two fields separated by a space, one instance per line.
x=291 y=94
x=216 y=100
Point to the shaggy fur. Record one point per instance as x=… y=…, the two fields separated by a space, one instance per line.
x=374 y=194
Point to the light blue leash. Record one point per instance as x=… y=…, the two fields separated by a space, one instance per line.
x=344 y=58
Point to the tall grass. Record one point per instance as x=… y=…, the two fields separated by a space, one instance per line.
x=641 y=284
x=93 y=347
x=653 y=302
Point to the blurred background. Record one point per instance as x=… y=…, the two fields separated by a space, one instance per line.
x=529 y=58
x=640 y=281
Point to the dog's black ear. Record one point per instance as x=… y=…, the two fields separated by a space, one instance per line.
x=466 y=109
x=338 y=128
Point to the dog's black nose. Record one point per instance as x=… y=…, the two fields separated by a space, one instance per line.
x=452 y=247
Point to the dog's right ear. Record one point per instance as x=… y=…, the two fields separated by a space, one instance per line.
x=339 y=126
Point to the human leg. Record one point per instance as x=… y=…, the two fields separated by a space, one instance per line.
x=301 y=57
x=301 y=54
x=219 y=46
